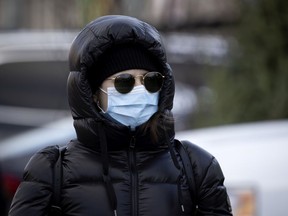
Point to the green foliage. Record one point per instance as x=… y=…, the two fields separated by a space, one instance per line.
x=255 y=86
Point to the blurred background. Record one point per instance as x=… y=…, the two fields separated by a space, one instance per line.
x=229 y=59
x=232 y=53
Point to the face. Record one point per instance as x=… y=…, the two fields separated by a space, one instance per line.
x=101 y=98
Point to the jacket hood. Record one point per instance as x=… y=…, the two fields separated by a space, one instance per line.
x=95 y=38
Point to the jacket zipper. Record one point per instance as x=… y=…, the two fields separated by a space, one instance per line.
x=133 y=176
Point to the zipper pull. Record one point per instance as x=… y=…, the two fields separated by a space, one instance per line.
x=182 y=208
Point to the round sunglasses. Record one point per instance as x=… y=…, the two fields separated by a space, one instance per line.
x=125 y=82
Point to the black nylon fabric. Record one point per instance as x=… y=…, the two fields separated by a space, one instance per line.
x=143 y=174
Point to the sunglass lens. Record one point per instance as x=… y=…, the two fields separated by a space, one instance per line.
x=153 y=81
x=124 y=83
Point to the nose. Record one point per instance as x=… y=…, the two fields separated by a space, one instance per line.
x=138 y=80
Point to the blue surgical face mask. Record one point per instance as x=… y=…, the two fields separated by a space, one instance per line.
x=131 y=109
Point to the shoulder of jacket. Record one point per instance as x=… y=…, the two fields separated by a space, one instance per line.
x=49 y=153
x=40 y=166
x=197 y=153
x=200 y=158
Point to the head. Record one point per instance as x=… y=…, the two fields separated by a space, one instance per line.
x=114 y=64
x=103 y=51
x=126 y=82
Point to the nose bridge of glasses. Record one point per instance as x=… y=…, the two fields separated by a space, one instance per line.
x=139 y=79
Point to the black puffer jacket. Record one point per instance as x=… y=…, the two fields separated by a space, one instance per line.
x=108 y=167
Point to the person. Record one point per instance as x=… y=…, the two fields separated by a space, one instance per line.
x=123 y=161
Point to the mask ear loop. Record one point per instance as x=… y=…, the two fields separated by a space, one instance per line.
x=98 y=105
x=97 y=100
x=103 y=90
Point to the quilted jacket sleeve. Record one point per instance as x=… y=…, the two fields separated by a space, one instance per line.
x=33 y=194
x=211 y=193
